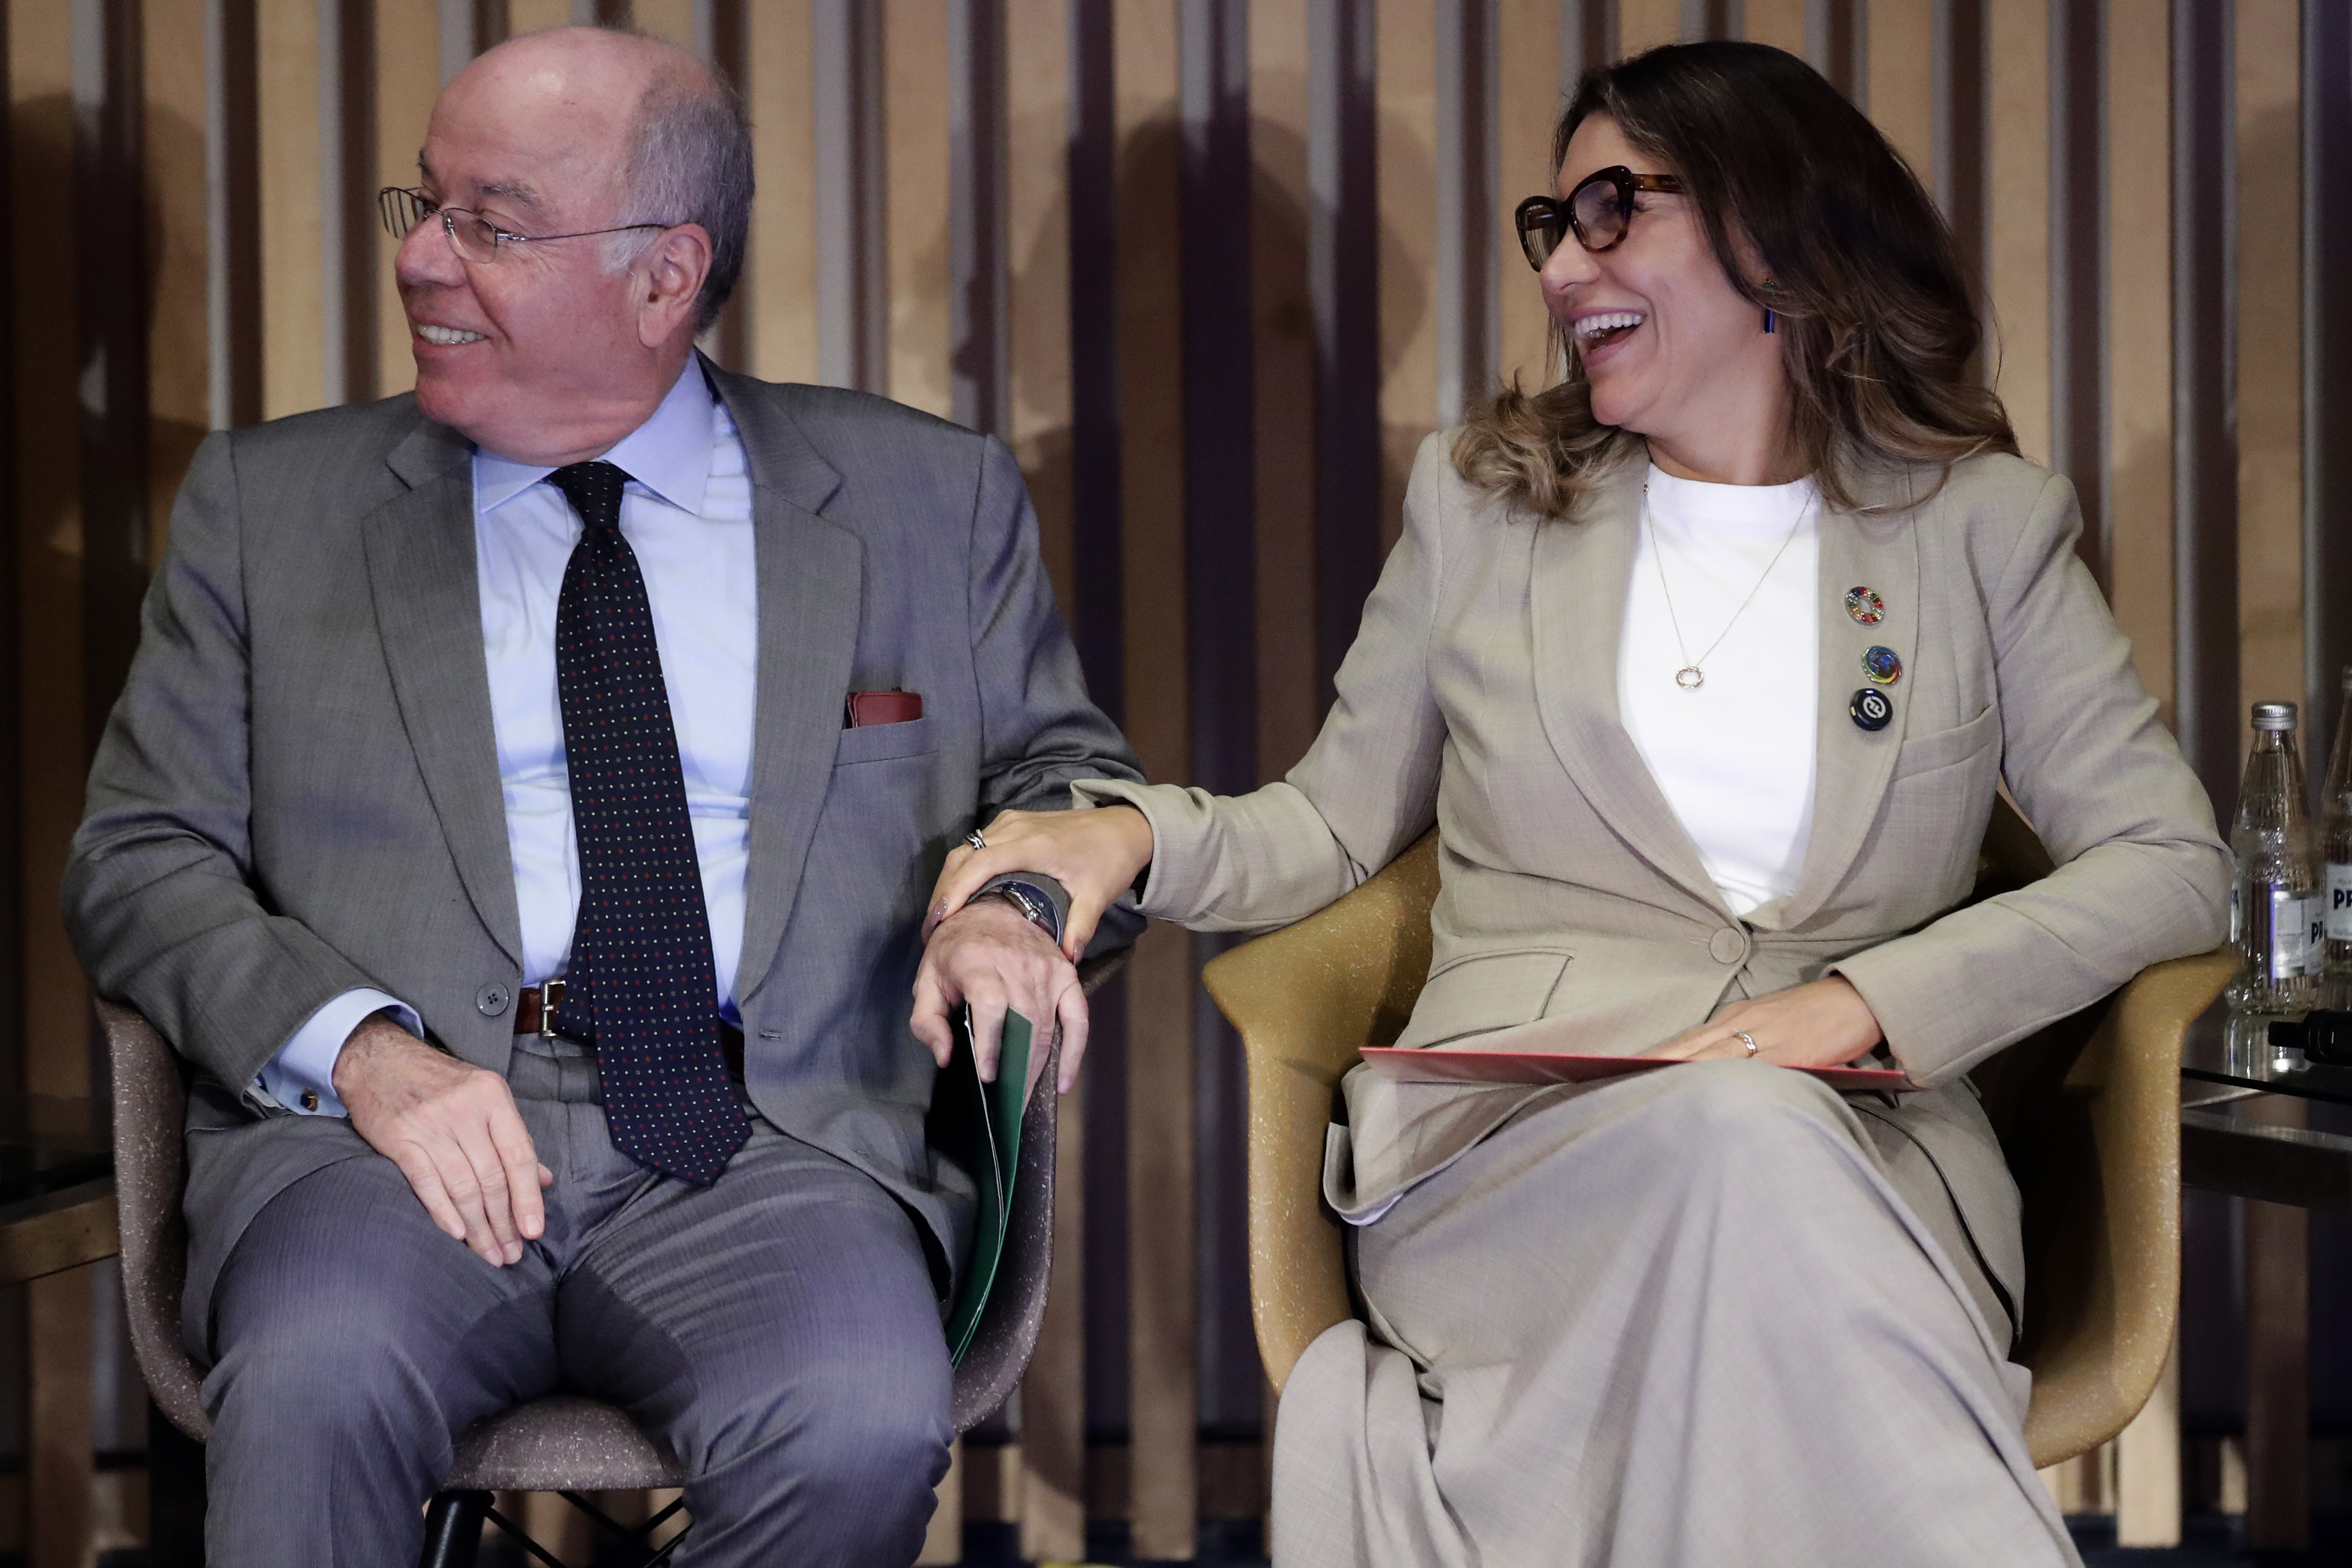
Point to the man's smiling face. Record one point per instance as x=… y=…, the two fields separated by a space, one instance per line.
x=536 y=352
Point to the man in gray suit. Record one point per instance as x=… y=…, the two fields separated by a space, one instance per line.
x=520 y=814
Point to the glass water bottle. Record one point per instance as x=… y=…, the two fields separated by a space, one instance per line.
x=2274 y=915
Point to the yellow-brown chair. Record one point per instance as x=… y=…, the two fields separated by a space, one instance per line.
x=2088 y=1112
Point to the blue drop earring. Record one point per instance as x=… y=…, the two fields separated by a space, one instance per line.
x=1771 y=322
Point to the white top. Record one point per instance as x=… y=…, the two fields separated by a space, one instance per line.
x=1735 y=758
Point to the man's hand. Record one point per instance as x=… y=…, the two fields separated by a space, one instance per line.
x=1823 y=1024
x=988 y=954
x=454 y=1131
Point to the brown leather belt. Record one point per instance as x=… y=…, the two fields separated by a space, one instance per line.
x=535 y=1010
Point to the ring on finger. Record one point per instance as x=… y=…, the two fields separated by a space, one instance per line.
x=975 y=840
x=1745 y=1039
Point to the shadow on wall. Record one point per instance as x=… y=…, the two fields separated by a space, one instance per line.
x=59 y=353
x=86 y=333
x=1280 y=319
x=1282 y=322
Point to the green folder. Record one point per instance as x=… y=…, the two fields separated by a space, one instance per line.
x=992 y=1113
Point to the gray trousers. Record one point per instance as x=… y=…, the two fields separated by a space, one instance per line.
x=1682 y=1320
x=777 y=1330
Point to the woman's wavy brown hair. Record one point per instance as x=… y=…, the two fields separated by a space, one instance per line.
x=1875 y=324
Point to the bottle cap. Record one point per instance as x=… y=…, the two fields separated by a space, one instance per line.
x=2274 y=715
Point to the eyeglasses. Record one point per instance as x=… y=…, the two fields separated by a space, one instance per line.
x=475 y=237
x=1598 y=211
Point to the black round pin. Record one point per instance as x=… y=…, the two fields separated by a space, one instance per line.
x=1871 y=709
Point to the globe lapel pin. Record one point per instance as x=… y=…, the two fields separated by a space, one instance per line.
x=1882 y=666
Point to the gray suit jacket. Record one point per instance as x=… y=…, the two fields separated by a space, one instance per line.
x=1481 y=694
x=299 y=791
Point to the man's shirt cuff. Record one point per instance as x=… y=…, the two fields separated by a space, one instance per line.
x=301 y=1076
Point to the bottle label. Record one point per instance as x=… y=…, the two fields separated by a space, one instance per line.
x=2339 y=903
x=2295 y=929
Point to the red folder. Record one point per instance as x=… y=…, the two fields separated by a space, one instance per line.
x=1439 y=1065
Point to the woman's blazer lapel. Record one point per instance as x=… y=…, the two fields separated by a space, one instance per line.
x=1577 y=603
x=1876 y=548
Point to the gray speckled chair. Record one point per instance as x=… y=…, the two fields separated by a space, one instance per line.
x=559 y=1444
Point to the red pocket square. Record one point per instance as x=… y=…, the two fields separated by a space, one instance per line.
x=883 y=708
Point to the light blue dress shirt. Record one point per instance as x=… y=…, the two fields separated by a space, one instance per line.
x=686 y=513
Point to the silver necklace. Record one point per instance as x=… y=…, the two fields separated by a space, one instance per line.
x=1690 y=677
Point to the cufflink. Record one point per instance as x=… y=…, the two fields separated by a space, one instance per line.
x=309 y=1099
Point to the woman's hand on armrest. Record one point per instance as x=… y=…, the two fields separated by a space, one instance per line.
x=1096 y=854
x=1822 y=1024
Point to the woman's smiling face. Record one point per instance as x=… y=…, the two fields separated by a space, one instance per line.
x=1670 y=348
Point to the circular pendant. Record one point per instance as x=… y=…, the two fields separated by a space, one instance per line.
x=1689 y=678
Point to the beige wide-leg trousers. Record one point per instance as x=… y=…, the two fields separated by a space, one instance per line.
x=1682 y=1320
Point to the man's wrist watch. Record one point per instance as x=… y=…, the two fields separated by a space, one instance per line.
x=1032 y=904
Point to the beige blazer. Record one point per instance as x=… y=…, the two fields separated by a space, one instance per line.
x=1481 y=695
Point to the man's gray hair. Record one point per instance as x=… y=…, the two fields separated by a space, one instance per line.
x=690 y=162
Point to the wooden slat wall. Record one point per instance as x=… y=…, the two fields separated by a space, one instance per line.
x=1213 y=267
x=779 y=280
x=1282 y=313
x=2017 y=251
x=2269 y=369
x=1162 y=1274
x=49 y=743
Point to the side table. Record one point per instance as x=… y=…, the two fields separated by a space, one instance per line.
x=57 y=1185
x=2246 y=1129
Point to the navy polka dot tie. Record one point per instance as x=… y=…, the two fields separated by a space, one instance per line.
x=640 y=986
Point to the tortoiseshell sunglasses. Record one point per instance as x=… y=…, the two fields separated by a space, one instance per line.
x=1598 y=211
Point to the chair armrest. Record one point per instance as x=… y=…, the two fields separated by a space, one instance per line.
x=1007 y=1335
x=151 y=1173
x=1096 y=972
x=2110 y=1328
x=1306 y=999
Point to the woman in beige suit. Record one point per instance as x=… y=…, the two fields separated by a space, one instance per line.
x=1707 y=663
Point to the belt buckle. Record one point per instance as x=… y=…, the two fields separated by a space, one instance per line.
x=550 y=997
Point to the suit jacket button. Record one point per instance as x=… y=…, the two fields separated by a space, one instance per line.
x=491 y=1000
x=1727 y=946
